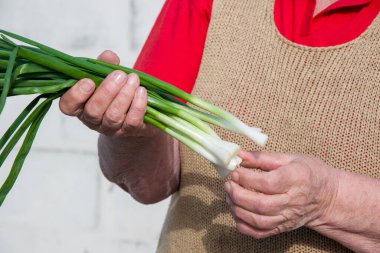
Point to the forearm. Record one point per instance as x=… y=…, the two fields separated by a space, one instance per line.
x=353 y=218
x=146 y=167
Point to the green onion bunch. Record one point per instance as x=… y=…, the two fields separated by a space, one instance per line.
x=46 y=73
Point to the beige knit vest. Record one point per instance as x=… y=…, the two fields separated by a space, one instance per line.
x=319 y=101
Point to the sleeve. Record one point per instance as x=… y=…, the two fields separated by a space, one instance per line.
x=174 y=48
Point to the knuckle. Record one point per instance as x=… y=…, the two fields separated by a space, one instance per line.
x=107 y=88
x=305 y=177
x=91 y=111
x=302 y=174
x=135 y=118
x=261 y=206
x=271 y=207
x=267 y=185
x=94 y=106
x=261 y=222
x=139 y=111
x=113 y=117
x=274 y=180
x=127 y=92
x=91 y=115
x=285 y=200
x=255 y=220
x=271 y=182
x=134 y=122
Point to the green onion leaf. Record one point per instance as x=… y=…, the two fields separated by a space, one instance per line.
x=8 y=78
x=22 y=154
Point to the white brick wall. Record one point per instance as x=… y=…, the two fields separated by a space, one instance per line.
x=61 y=202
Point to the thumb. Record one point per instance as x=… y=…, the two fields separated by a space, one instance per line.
x=110 y=57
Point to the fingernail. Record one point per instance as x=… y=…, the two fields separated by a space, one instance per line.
x=235 y=176
x=228 y=200
x=227 y=186
x=86 y=86
x=119 y=77
x=132 y=79
x=141 y=92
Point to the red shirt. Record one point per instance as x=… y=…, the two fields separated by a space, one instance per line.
x=173 y=50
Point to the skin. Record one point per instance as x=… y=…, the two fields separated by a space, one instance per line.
x=292 y=190
x=116 y=110
x=320 y=5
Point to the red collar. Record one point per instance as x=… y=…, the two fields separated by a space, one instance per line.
x=341 y=22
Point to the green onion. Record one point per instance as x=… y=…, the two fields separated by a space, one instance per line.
x=36 y=69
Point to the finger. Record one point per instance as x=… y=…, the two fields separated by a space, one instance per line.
x=110 y=57
x=72 y=102
x=116 y=112
x=258 y=221
x=264 y=160
x=272 y=182
x=135 y=115
x=246 y=229
x=97 y=105
x=256 y=202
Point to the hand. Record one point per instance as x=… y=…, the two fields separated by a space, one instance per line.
x=116 y=108
x=291 y=191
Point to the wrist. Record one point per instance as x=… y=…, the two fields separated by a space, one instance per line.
x=352 y=218
x=118 y=154
x=145 y=134
x=330 y=193
x=146 y=167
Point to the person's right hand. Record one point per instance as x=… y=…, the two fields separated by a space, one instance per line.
x=115 y=108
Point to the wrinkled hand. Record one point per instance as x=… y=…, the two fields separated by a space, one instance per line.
x=116 y=108
x=290 y=191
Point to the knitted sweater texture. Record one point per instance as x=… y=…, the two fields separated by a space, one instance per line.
x=319 y=101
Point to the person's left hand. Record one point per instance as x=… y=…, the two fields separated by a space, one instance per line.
x=290 y=191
